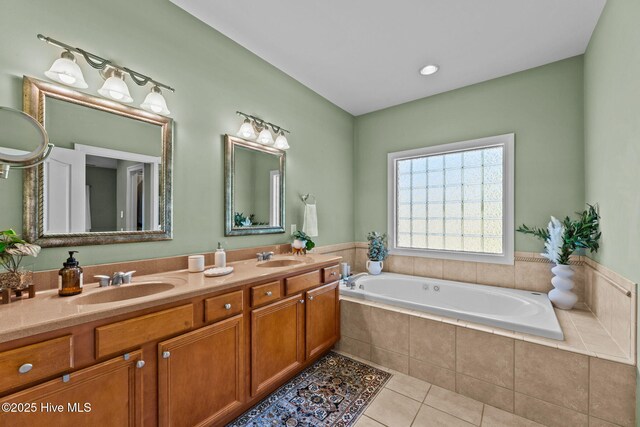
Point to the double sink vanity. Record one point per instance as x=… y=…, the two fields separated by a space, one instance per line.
x=175 y=348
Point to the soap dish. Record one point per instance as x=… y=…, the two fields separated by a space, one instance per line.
x=218 y=271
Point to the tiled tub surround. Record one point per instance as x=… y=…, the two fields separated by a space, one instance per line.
x=547 y=381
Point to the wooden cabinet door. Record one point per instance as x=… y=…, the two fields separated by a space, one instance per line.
x=277 y=342
x=322 y=319
x=107 y=394
x=201 y=374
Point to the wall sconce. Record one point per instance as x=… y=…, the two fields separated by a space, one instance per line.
x=65 y=70
x=255 y=128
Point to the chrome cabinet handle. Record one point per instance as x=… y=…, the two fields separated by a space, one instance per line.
x=333 y=273
x=25 y=368
x=166 y=354
x=268 y=293
x=301 y=301
x=140 y=364
x=310 y=297
x=227 y=306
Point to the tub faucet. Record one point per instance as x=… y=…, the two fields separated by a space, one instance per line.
x=264 y=256
x=350 y=281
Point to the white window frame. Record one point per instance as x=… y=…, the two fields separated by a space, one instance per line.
x=508 y=179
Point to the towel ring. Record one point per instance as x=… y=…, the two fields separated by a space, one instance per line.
x=306 y=197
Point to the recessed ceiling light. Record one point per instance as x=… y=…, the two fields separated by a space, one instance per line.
x=428 y=70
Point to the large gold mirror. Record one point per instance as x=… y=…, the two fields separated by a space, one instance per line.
x=108 y=179
x=254 y=188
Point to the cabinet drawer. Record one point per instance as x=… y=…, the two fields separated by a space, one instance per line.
x=263 y=294
x=46 y=358
x=130 y=333
x=302 y=282
x=331 y=274
x=222 y=306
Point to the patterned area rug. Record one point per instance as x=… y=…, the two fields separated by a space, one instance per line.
x=332 y=392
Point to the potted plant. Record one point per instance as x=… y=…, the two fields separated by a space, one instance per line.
x=377 y=252
x=562 y=239
x=12 y=250
x=302 y=242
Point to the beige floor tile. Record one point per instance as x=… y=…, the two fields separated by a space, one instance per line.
x=393 y=409
x=431 y=417
x=613 y=387
x=597 y=422
x=485 y=356
x=409 y=386
x=494 y=417
x=432 y=341
x=455 y=404
x=365 y=421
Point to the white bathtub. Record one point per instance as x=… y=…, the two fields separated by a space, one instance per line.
x=516 y=310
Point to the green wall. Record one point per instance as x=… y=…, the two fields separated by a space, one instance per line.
x=543 y=106
x=612 y=136
x=213 y=77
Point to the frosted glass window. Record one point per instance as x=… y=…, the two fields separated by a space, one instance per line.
x=451 y=201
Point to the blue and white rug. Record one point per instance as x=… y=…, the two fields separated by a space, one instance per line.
x=334 y=391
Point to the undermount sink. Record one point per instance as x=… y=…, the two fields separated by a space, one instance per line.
x=279 y=263
x=124 y=292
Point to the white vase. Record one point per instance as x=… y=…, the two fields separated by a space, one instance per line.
x=299 y=244
x=562 y=281
x=374 y=267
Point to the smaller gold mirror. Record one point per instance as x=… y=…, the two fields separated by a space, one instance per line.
x=254 y=188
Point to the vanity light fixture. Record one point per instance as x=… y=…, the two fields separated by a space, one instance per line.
x=66 y=71
x=428 y=70
x=252 y=126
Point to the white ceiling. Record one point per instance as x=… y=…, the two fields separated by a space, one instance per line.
x=364 y=55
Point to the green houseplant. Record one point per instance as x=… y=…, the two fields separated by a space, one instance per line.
x=302 y=242
x=377 y=252
x=561 y=240
x=12 y=251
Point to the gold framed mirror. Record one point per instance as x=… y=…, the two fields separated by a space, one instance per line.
x=109 y=177
x=254 y=176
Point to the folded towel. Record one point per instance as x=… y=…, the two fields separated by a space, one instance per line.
x=310 y=224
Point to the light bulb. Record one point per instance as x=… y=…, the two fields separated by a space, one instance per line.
x=155 y=102
x=265 y=137
x=428 y=70
x=281 y=142
x=246 y=131
x=65 y=70
x=115 y=87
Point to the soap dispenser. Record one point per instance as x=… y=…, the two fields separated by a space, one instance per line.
x=220 y=257
x=70 y=277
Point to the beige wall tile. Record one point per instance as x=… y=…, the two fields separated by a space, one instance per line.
x=485 y=356
x=461 y=271
x=432 y=417
x=428 y=267
x=485 y=392
x=553 y=375
x=588 y=285
x=390 y=359
x=355 y=320
x=533 y=276
x=547 y=413
x=621 y=314
x=393 y=409
x=494 y=417
x=361 y=259
x=409 y=386
x=455 y=404
x=390 y=330
x=399 y=264
x=432 y=341
x=357 y=348
x=496 y=275
x=433 y=374
x=602 y=299
x=597 y=422
x=613 y=392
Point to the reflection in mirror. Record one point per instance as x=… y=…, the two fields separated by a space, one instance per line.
x=108 y=179
x=255 y=188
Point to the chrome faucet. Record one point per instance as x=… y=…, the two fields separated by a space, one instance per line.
x=264 y=256
x=350 y=281
x=116 y=279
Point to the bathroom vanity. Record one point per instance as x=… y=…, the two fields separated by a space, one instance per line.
x=174 y=349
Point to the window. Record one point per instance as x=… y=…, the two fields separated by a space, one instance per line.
x=453 y=201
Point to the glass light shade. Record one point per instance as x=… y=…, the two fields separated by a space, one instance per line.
x=246 y=131
x=155 y=102
x=65 y=70
x=115 y=88
x=281 y=142
x=265 y=137
x=428 y=70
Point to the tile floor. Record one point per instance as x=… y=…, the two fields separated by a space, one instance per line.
x=409 y=402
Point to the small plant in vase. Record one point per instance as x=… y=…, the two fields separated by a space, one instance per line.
x=562 y=239
x=301 y=243
x=12 y=251
x=377 y=252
